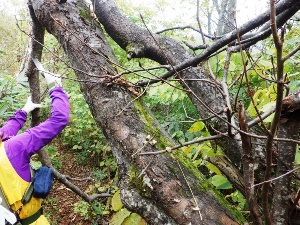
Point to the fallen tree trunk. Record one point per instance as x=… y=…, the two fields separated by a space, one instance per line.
x=164 y=189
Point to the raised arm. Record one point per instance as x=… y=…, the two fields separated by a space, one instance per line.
x=20 y=148
x=13 y=125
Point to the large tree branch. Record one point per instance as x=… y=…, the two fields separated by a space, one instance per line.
x=126 y=125
x=206 y=96
x=139 y=43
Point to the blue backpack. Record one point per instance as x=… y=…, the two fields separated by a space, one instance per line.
x=42 y=182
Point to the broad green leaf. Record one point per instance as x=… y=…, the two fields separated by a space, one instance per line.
x=269 y=119
x=152 y=91
x=266 y=64
x=174 y=97
x=198 y=126
x=268 y=106
x=213 y=168
x=297 y=157
x=188 y=149
x=260 y=99
x=119 y=217
x=134 y=219
x=220 y=182
x=197 y=162
x=3 y=108
x=116 y=203
x=207 y=151
x=232 y=66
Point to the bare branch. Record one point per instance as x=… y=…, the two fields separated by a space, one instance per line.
x=248 y=167
x=188 y=27
x=276 y=178
x=274 y=124
x=63 y=179
x=291 y=53
x=259 y=20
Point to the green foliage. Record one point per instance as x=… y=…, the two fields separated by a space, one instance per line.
x=122 y=215
x=107 y=168
x=263 y=100
x=220 y=182
x=51 y=210
x=83 y=209
x=13 y=96
x=173 y=110
x=82 y=133
x=297 y=156
x=12 y=44
x=116 y=203
x=238 y=199
x=54 y=156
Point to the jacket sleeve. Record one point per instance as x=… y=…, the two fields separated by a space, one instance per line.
x=13 y=125
x=20 y=148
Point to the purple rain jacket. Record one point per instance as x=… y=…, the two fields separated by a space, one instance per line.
x=19 y=148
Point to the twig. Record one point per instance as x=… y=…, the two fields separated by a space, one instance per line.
x=296 y=200
x=276 y=178
x=226 y=91
x=78 y=179
x=169 y=149
x=197 y=47
x=145 y=169
x=291 y=53
x=141 y=70
x=248 y=167
x=274 y=124
x=247 y=80
x=199 y=24
x=188 y=27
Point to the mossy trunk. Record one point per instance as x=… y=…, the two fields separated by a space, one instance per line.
x=164 y=189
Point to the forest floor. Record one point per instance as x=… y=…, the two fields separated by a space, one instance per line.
x=59 y=205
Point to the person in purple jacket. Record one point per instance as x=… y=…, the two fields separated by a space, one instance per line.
x=16 y=150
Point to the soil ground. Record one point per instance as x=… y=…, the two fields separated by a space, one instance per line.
x=59 y=205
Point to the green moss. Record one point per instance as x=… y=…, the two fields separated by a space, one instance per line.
x=151 y=127
x=84 y=14
x=132 y=47
x=172 y=169
x=205 y=186
x=138 y=181
x=163 y=142
x=129 y=47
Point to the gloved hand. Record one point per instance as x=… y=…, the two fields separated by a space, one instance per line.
x=5 y=214
x=52 y=80
x=29 y=106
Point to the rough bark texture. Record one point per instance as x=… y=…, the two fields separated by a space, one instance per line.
x=138 y=42
x=226 y=12
x=289 y=128
x=206 y=96
x=37 y=41
x=160 y=194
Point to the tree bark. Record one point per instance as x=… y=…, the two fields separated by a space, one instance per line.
x=226 y=12
x=206 y=96
x=138 y=43
x=289 y=128
x=37 y=41
x=157 y=187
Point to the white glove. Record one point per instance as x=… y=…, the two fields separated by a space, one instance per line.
x=7 y=215
x=52 y=80
x=29 y=106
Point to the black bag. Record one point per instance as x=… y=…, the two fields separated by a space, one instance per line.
x=42 y=182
